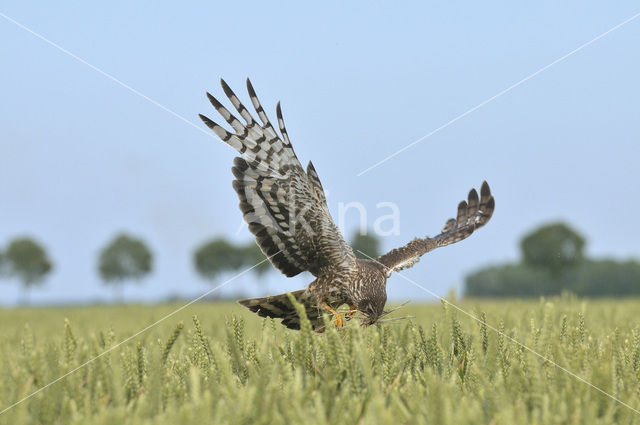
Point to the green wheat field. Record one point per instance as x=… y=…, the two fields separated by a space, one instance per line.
x=214 y=363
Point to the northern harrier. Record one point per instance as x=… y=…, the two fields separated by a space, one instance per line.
x=287 y=212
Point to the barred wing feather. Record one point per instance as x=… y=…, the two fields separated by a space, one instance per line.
x=284 y=206
x=472 y=214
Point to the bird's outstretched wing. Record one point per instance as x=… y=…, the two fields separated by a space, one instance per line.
x=472 y=214
x=284 y=206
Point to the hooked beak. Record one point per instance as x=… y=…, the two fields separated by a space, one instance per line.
x=370 y=321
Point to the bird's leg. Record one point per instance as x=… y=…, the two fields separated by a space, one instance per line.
x=352 y=310
x=339 y=322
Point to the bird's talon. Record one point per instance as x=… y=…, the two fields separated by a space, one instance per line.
x=352 y=311
x=338 y=316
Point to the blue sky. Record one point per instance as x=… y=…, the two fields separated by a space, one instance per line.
x=82 y=158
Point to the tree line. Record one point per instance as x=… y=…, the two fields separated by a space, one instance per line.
x=128 y=258
x=553 y=261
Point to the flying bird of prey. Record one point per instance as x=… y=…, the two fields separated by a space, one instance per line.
x=287 y=212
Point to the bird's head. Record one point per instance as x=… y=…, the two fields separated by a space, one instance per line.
x=370 y=290
x=372 y=307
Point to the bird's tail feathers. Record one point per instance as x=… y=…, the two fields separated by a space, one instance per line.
x=280 y=307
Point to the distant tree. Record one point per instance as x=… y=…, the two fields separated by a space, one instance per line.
x=510 y=280
x=220 y=256
x=4 y=267
x=124 y=258
x=254 y=257
x=555 y=247
x=27 y=260
x=217 y=257
x=591 y=278
x=605 y=278
x=368 y=244
x=553 y=261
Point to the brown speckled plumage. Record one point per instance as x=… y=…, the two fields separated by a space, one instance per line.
x=286 y=210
